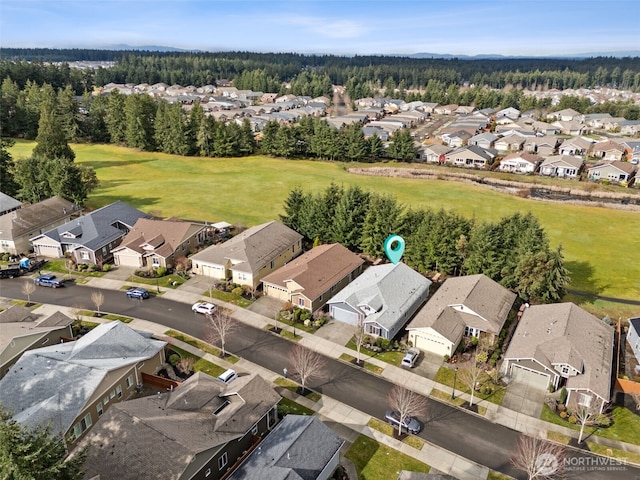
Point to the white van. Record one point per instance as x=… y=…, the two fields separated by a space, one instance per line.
x=228 y=376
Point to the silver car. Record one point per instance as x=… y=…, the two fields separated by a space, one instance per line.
x=411 y=424
x=410 y=357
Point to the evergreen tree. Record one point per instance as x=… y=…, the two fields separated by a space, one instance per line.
x=384 y=218
x=140 y=111
x=269 y=133
x=52 y=137
x=69 y=113
x=542 y=276
x=324 y=212
x=401 y=146
x=375 y=147
x=7 y=180
x=355 y=144
x=348 y=219
x=293 y=206
x=95 y=127
x=116 y=118
x=34 y=454
x=323 y=141
x=285 y=142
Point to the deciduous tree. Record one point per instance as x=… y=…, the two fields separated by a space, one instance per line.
x=307 y=363
x=220 y=326
x=406 y=403
x=539 y=459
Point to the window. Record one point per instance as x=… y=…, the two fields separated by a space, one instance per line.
x=129 y=381
x=301 y=301
x=104 y=250
x=44 y=342
x=208 y=472
x=119 y=391
x=565 y=370
x=584 y=399
x=470 y=332
x=155 y=261
x=99 y=409
x=84 y=255
x=273 y=264
x=81 y=426
x=373 y=329
x=222 y=461
x=105 y=400
x=254 y=430
x=112 y=394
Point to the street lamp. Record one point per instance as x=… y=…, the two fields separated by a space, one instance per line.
x=453 y=392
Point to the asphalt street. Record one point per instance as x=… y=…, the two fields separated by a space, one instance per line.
x=469 y=435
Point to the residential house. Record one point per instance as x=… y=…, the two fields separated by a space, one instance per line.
x=434 y=153
x=464 y=110
x=383 y=299
x=90 y=238
x=300 y=447
x=629 y=127
x=633 y=337
x=563 y=345
x=608 y=151
x=18 y=226
x=510 y=143
x=158 y=243
x=22 y=330
x=484 y=140
x=566 y=115
x=595 y=120
x=520 y=162
x=249 y=256
x=8 y=204
x=445 y=109
x=632 y=151
x=471 y=157
x=614 y=171
x=561 y=166
x=570 y=128
x=509 y=112
x=456 y=139
x=543 y=146
x=577 y=146
x=309 y=280
x=201 y=429
x=614 y=123
x=70 y=385
x=469 y=306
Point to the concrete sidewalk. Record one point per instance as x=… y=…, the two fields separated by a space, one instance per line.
x=447 y=462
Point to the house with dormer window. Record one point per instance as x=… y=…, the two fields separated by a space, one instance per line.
x=90 y=238
x=468 y=306
x=384 y=298
x=158 y=243
x=563 y=345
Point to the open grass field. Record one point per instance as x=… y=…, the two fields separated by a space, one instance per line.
x=601 y=246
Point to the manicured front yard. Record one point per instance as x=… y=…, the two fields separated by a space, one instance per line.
x=168 y=281
x=205 y=347
x=411 y=440
x=446 y=376
x=393 y=358
x=228 y=297
x=614 y=453
x=375 y=461
x=625 y=426
x=287 y=406
x=58 y=266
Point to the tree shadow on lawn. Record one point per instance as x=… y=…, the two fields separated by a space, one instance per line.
x=136 y=202
x=119 y=163
x=581 y=274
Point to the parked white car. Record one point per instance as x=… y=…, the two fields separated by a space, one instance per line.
x=204 y=307
x=410 y=358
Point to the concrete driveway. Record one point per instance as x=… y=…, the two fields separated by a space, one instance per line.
x=524 y=398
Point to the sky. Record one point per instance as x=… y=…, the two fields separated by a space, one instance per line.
x=341 y=27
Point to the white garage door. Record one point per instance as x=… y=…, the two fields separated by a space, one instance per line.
x=428 y=344
x=529 y=377
x=344 y=315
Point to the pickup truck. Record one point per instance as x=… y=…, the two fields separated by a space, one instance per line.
x=49 y=281
x=10 y=272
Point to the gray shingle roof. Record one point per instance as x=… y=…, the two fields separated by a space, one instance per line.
x=8 y=203
x=565 y=333
x=390 y=289
x=32 y=217
x=252 y=249
x=164 y=433
x=300 y=447
x=54 y=383
x=98 y=228
x=472 y=300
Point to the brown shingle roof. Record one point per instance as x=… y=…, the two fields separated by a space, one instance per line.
x=163 y=235
x=317 y=270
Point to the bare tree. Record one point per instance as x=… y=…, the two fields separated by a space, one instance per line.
x=538 y=458
x=585 y=414
x=406 y=403
x=220 y=326
x=359 y=336
x=97 y=298
x=469 y=376
x=307 y=363
x=28 y=287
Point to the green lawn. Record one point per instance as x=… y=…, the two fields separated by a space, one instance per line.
x=286 y=406
x=394 y=358
x=625 y=426
x=58 y=266
x=251 y=190
x=375 y=461
x=293 y=387
x=168 y=281
x=228 y=297
x=205 y=347
x=367 y=366
x=614 y=453
x=445 y=377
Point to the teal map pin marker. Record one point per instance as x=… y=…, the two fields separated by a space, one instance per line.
x=394 y=254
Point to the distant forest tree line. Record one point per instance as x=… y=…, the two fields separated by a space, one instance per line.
x=513 y=251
